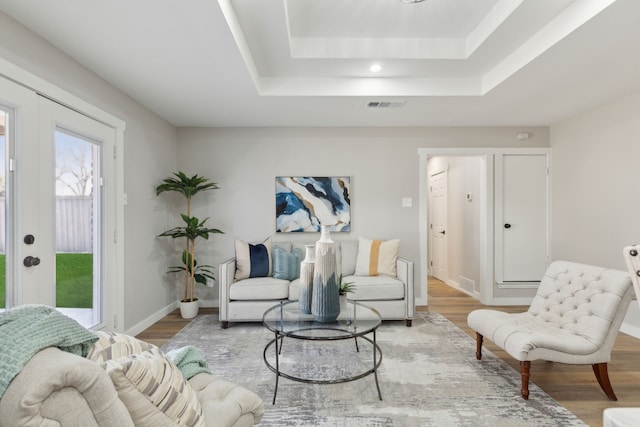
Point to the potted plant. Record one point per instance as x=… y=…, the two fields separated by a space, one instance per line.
x=343 y=289
x=192 y=230
x=346 y=287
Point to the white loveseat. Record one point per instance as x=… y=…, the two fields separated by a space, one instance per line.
x=246 y=300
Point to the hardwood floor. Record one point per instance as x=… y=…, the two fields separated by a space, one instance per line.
x=575 y=387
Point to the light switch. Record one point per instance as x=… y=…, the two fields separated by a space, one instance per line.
x=407 y=202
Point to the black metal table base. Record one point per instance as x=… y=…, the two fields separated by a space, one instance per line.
x=278 y=340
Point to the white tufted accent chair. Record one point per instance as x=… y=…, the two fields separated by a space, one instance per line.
x=574 y=318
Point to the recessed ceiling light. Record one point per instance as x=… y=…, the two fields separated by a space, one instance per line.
x=411 y=1
x=375 y=68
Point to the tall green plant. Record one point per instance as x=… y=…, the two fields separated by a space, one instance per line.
x=191 y=231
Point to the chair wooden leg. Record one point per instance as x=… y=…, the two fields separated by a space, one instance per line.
x=479 y=340
x=602 y=375
x=525 y=367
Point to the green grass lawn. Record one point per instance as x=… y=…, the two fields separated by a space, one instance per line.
x=74 y=278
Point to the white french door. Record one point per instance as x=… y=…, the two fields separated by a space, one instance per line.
x=59 y=206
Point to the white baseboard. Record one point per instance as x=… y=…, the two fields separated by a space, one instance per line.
x=141 y=326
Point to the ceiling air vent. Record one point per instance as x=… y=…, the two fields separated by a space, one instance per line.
x=385 y=104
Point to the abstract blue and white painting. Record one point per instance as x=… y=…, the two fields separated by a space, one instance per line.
x=305 y=203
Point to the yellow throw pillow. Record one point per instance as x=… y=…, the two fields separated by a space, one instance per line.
x=154 y=390
x=377 y=257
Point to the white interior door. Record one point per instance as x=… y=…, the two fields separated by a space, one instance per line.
x=57 y=206
x=438 y=225
x=523 y=217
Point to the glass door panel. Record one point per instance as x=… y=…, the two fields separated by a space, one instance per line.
x=77 y=222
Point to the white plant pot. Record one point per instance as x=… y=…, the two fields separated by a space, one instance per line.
x=189 y=309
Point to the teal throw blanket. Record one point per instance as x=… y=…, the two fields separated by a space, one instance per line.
x=189 y=360
x=27 y=329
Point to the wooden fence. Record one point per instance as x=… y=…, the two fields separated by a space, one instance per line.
x=74 y=224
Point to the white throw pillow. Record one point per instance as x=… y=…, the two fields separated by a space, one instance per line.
x=377 y=257
x=154 y=390
x=112 y=345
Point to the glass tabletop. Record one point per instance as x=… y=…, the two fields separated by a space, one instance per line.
x=355 y=320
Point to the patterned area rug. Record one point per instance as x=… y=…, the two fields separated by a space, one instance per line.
x=428 y=377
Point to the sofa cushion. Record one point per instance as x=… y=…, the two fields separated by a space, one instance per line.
x=253 y=260
x=259 y=288
x=112 y=345
x=372 y=288
x=225 y=403
x=154 y=390
x=377 y=257
x=286 y=264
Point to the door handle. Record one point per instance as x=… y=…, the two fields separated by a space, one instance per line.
x=507 y=226
x=31 y=261
x=442 y=232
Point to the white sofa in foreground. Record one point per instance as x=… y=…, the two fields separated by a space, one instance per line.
x=246 y=300
x=107 y=389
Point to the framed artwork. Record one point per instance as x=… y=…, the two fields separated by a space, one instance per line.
x=303 y=203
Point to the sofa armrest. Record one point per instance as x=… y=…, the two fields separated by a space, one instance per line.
x=405 y=275
x=60 y=388
x=226 y=275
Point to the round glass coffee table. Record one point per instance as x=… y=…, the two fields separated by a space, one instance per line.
x=355 y=321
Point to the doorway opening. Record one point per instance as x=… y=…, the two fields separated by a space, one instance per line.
x=454 y=194
x=455 y=220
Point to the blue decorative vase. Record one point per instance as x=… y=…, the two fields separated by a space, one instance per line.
x=325 y=304
x=305 y=289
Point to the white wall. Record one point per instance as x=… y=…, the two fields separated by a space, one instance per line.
x=383 y=164
x=596 y=197
x=150 y=149
x=595 y=193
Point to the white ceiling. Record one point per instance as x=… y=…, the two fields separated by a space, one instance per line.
x=306 y=62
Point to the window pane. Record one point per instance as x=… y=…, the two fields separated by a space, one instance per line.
x=76 y=226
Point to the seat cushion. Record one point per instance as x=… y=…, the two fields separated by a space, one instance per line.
x=523 y=335
x=371 y=288
x=225 y=403
x=294 y=290
x=259 y=288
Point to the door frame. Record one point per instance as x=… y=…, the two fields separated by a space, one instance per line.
x=486 y=217
x=61 y=96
